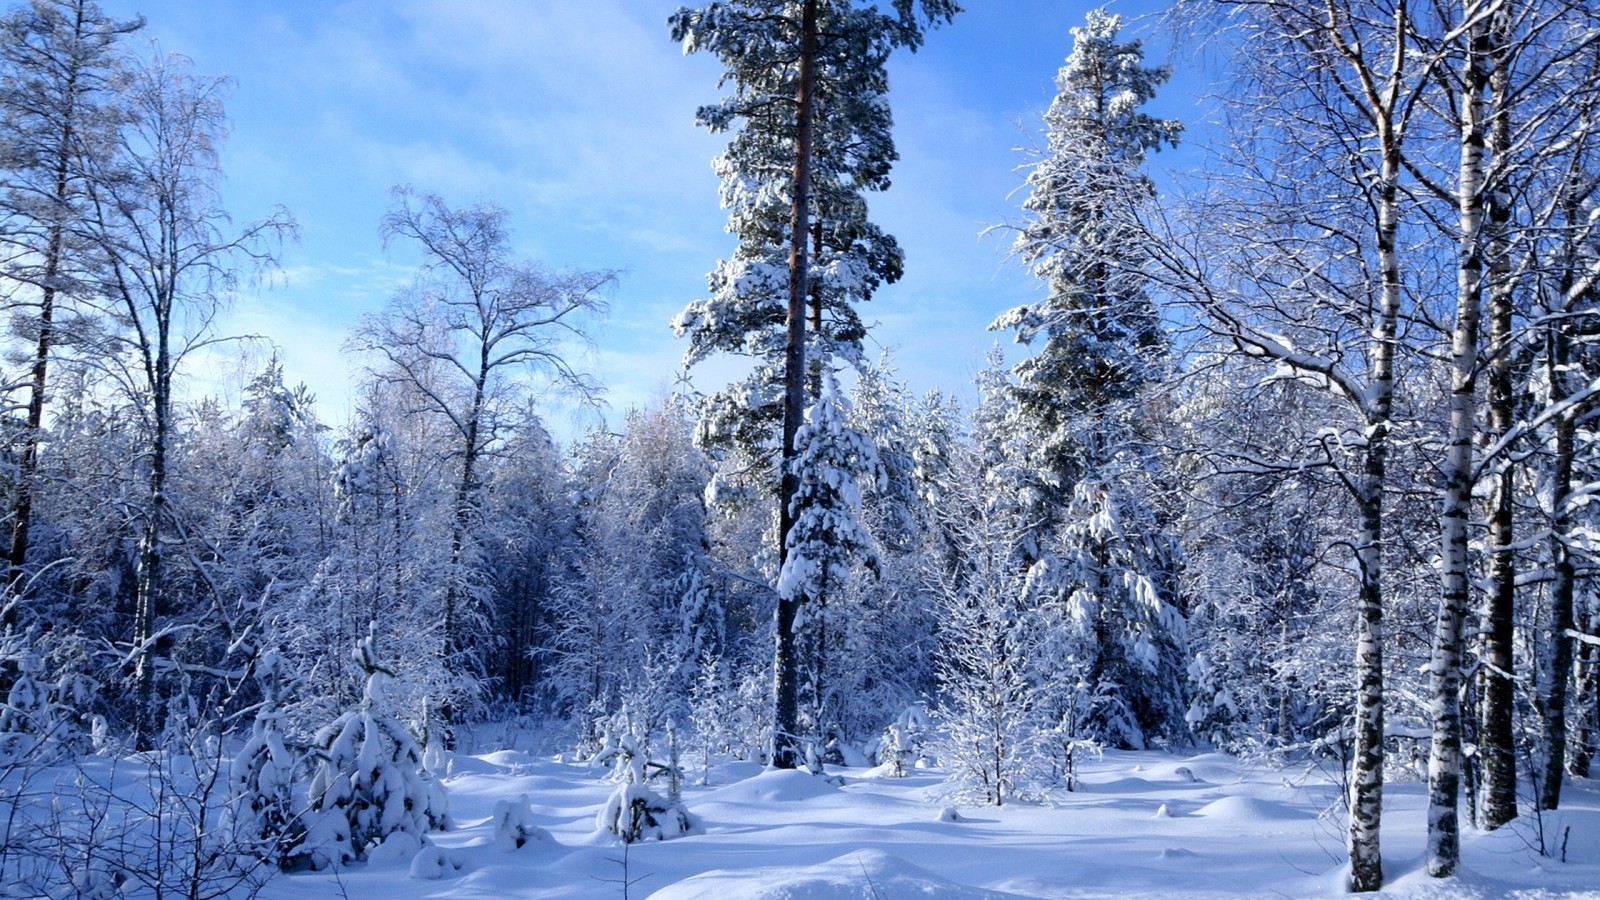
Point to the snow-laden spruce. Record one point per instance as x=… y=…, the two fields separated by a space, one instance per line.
x=266 y=809
x=827 y=534
x=370 y=782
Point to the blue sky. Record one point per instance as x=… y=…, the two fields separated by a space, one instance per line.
x=578 y=116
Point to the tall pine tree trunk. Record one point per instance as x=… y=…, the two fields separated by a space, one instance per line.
x=785 y=662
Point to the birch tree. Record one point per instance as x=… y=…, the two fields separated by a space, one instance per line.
x=1328 y=98
x=475 y=319
x=168 y=261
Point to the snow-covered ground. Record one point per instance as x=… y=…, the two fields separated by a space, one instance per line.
x=1145 y=824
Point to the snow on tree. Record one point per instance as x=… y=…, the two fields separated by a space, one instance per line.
x=1078 y=398
x=986 y=642
x=464 y=337
x=1102 y=341
x=369 y=782
x=904 y=740
x=1115 y=594
x=61 y=72
x=634 y=811
x=795 y=187
x=827 y=536
x=514 y=827
x=266 y=808
x=171 y=256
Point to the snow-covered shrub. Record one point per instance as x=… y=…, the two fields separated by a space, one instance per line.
x=1060 y=748
x=39 y=721
x=433 y=862
x=712 y=711
x=904 y=740
x=24 y=717
x=634 y=812
x=266 y=811
x=369 y=781
x=513 y=825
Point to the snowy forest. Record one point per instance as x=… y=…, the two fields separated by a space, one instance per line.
x=1293 y=461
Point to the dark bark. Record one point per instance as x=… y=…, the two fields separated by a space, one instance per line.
x=1558 y=650
x=1497 y=751
x=785 y=664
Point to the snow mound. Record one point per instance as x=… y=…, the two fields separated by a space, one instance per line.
x=433 y=862
x=865 y=874
x=1248 y=810
x=774 y=786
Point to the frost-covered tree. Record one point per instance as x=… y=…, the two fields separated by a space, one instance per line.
x=809 y=81
x=1077 y=399
x=827 y=538
x=370 y=782
x=60 y=77
x=266 y=808
x=644 y=603
x=1101 y=341
x=529 y=540
x=1318 y=201
x=986 y=635
x=475 y=319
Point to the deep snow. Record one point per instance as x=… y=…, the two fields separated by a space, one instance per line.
x=1145 y=824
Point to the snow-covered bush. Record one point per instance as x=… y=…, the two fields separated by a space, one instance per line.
x=39 y=721
x=369 y=781
x=513 y=825
x=634 y=812
x=266 y=810
x=904 y=740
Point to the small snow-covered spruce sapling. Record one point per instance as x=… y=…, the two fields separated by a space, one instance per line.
x=513 y=825
x=370 y=783
x=267 y=815
x=634 y=812
x=904 y=740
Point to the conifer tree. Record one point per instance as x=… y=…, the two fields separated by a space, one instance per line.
x=1102 y=341
x=1103 y=346
x=808 y=84
x=59 y=73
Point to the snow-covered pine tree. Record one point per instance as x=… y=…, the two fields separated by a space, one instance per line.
x=25 y=712
x=827 y=538
x=266 y=809
x=1078 y=398
x=60 y=75
x=809 y=80
x=369 y=781
x=1101 y=340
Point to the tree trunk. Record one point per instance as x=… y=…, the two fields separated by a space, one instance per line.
x=28 y=463
x=1444 y=758
x=1367 y=758
x=1556 y=654
x=148 y=583
x=1497 y=751
x=785 y=665
x=1585 y=737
